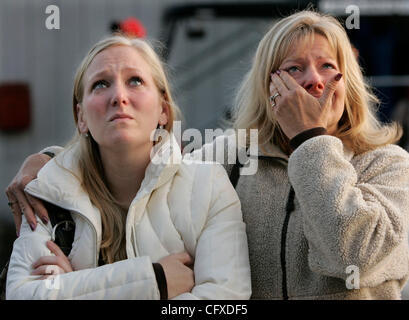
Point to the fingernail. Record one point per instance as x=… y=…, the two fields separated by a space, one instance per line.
x=278 y=71
x=32 y=226
x=338 y=76
x=44 y=219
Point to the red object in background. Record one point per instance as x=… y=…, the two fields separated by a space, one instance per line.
x=133 y=27
x=14 y=106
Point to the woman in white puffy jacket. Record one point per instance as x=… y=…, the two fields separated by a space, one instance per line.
x=144 y=217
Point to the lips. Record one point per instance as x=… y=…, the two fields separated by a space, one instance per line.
x=315 y=94
x=120 y=116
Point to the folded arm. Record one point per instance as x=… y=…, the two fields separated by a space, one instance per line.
x=127 y=279
x=355 y=212
x=222 y=268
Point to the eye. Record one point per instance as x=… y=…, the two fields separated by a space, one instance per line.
x=292 y=69
x=328 y=66
x=99 y=84
x=136 y=81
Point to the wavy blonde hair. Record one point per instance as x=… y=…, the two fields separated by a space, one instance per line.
x=91 y=168
x=359 y=129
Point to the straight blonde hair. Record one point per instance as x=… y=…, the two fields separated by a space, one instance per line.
x=113 y=218
x=359 y=129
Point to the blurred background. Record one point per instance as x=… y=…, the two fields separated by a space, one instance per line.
x=207 y=45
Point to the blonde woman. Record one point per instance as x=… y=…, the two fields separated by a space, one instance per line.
x=327 y=211
x=144 y=218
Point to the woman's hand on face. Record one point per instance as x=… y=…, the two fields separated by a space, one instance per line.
x=21 y=202
x=48 y=266
x=295 y=109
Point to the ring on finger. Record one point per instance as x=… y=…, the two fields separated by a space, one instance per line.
x=13 y=211
x=272 y=99
x=10 y=203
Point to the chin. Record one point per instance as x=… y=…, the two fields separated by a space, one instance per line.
x=126 y=139
x=119 y=137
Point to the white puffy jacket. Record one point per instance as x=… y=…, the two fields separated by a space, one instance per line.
x=180 y=206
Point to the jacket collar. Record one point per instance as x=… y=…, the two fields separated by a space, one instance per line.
x=271 y=150
x=166 y=158
x=58 y=181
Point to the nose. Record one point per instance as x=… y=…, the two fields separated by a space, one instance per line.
x=313 y=81
x=119 y=96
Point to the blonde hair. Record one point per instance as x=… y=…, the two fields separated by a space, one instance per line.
x=358 y=128
x=89 y=160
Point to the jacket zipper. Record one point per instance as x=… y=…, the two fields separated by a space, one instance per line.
x=289 y=209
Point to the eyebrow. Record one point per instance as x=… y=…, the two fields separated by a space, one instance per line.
x=293 y=60
x=302 y=59
x=105 y=71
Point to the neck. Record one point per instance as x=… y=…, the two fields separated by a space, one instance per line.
x=125 y=170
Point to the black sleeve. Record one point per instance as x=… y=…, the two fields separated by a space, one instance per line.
x=50 y=154
x=305 y=135
x=161 y=280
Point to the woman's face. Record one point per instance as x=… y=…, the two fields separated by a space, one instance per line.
x=312 y=65
x=121 y=103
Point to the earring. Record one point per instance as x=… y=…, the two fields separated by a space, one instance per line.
x=157 y=137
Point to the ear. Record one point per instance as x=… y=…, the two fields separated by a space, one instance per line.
x=82 y=123
x=165 y=113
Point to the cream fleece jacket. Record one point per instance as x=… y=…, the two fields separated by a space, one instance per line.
x=351 y=213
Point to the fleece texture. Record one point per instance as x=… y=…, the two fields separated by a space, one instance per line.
x=351 y=213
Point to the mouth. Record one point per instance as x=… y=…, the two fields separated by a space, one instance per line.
x=315 y=94
x=120 y=116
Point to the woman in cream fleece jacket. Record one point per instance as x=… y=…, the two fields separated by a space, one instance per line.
x=327 y=211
